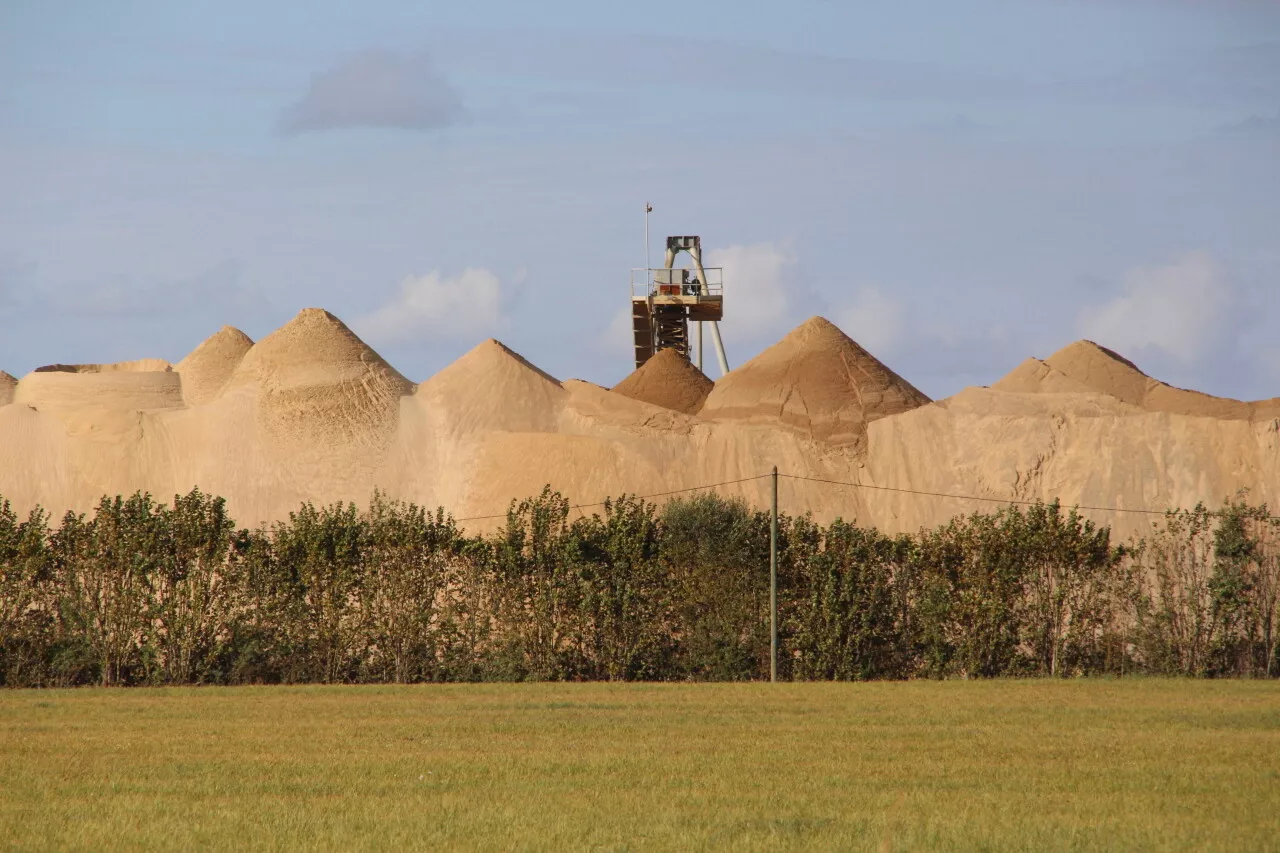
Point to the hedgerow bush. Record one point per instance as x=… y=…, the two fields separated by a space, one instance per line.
x=140 y=592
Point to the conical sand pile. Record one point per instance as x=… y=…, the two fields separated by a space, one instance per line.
x=317 y=381
x=1102 y=370
x=311 y=413
x=667 y=380
x=1087 y=367
x=816 y=379
x=207 y=368
x=493 y=388
x=1034 y=376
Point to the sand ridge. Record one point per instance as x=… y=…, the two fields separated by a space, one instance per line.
x=668 y=380
x=312 y=413
x=69 y=392
x=141 y=365
x=817 y=380
x=1087 y=367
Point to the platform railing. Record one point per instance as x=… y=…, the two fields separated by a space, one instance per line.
x=645 y=283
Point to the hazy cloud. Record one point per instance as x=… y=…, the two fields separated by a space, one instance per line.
x=872 y=319
x=1256 y=125
x=377 y=89
x=1235 y=75
x=1178 y=309
x=463 y=308
x=616 y=339
x=759 y=288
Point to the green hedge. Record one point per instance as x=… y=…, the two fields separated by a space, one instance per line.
x=144 y=593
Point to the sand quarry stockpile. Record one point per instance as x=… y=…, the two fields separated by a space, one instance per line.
x=312 y=413
x=1086 y=367
x=816 y=380
x=669 y=381
x=207 y=368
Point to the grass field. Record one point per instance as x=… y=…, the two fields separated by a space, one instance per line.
x=1035 y=765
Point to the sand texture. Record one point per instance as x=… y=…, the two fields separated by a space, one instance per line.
x=815 y=380
x=317 y=382
x=207 y=368
x=669 y=381
x=1086 y=367
x=312 y=413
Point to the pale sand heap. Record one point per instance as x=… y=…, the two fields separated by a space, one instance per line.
x=317 y=381
x=1086 y=367
x=817 y=380
x=311 y=413
x=668 y=380
x=1034 y=376
x=207 y=368
x=493 y=388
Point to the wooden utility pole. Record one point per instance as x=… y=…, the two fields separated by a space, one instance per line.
x=773 y=582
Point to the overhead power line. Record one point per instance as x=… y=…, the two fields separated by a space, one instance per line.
x=1005 y=501
x=638 y=497
x=869 y=486
x=962 y=497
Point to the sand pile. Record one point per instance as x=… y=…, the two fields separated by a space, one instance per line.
x=816 y=379
x=207 y=368
x=667 y=380
x=7 y=386
x=311 y=413
x=1089 y=368
x=493 y=388
x=1034 y=376
x=317 y=381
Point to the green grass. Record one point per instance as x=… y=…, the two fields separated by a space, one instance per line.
x=1006 y=765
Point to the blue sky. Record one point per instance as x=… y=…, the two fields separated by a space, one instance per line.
x=959 y=185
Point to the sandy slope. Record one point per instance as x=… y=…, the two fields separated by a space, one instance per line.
x=669 y=381
x=816 y=380
x=206 y=370
x=310 y=412
x=1087 y=367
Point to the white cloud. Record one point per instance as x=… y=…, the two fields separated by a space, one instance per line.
x=758 y=290
x=873 y=319
x=1178 y=308
x=616 y=339
x=462 y=308
x=377 y=89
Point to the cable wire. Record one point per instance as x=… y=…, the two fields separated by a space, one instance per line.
x=638 y=497
x=975 y=497
x=923 y=493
